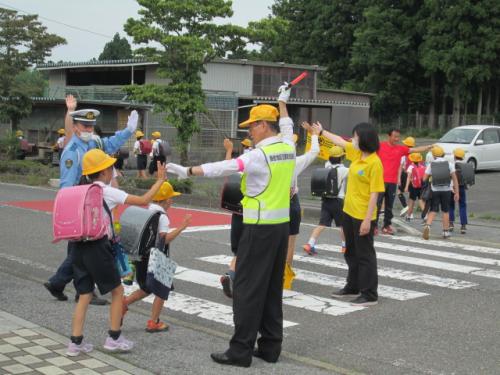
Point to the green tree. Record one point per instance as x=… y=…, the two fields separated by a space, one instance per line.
x=384 y=58
x=185 y=38
x=117 y=49
x=461 y=40
x=24 y=41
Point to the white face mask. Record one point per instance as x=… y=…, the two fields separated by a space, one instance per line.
x=86 y=136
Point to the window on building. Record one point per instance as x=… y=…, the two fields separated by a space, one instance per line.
x=266 y=81
x=118 y=76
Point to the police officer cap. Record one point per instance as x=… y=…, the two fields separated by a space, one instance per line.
x=85 y=116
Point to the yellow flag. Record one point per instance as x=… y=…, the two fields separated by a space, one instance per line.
x=324 y=145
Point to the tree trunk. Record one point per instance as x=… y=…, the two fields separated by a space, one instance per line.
x=488 y=101
x=443 y=124
x=432 y=105
x=479 y=105
x=496 y=100
x=456 y=106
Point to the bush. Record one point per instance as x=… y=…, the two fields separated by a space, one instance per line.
x=28 y=168
x=9 y=146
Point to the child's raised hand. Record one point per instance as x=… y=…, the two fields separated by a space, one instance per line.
x=162 y=171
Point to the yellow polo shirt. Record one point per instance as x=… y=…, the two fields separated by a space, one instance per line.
x=365 y=176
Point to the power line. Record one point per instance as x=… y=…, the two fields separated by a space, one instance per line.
x=59 y=22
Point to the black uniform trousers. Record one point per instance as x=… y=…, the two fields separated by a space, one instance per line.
x=258 y=291
x=361 y=259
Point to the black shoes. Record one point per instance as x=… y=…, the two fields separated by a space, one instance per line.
x=96 y=301
x=363 y=301
x=227 y=286
x=265 y=356
x=345 y=293
x=55 y=292
x=224 y=359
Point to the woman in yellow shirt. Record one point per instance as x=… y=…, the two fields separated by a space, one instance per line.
x=364 y=182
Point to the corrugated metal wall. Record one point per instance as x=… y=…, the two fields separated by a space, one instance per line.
x=228 y=77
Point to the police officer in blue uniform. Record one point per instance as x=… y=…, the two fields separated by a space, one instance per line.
x=83 y=139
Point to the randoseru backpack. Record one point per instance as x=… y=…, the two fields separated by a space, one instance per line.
x=145 y=146
x=79 y=214
x=417 y=176
x=440 y=173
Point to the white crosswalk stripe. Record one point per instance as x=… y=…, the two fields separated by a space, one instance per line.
x=332 y=281
x=291 y=298
x=393 y=273
x=453 y=245
x=436 y=253
x=446 y=266
x=202 y=308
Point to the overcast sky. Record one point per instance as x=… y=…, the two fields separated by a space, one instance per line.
x=105 y=18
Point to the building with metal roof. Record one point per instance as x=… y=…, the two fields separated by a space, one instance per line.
x=232 y=87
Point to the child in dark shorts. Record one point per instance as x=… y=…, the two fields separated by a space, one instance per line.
x=441 y=195
x=161 y=202
x=331 y=208
x=93 y=261
x=414 y=189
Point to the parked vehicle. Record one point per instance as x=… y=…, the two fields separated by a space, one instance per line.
x=481 y=144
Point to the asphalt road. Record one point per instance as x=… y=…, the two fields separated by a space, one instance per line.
x=437 y=314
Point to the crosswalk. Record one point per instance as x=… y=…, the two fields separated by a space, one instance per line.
x=425 y=267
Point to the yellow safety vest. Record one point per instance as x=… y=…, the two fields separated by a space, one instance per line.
x=272 y=205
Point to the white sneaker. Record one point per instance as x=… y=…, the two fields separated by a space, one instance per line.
x=403 y=211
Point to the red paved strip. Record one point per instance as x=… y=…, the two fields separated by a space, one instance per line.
x=200 y=218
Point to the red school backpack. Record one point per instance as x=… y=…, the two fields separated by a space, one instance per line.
x=145 y=146
x=79 y=214
x=417 y=175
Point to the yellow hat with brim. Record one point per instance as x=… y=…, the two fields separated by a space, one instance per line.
x=156 y=134
x=336 y=152
x=409 y=141
x=415 y=157
x=263 y=112
x=459 y=153
x=437 y=151
x=246 y=142
x=61 y=131
x=95 y=161
x=19 y=133
x=138 y=134
x=166 y=191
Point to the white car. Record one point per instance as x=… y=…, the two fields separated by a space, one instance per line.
x=481 y=144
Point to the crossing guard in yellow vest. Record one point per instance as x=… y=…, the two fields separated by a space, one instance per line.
x=258 y=285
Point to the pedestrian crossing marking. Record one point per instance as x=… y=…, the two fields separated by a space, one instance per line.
x=199 y=307
x=393 y=273
x=332 y=281
x=292 y=298
x=453 y=245
x=437 y=253
x=446 y=266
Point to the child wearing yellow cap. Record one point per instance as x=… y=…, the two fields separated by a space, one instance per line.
x=459 y=155
x=414 y=182
x=441 y=194
x=93 y=261
x=161 y=203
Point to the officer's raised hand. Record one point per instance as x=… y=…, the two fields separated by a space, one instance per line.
x=132 y=121
x=179 y=170
x=71 y=103
x=284 y=92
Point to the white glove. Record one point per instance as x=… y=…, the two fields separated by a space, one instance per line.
x=132 y=121
x=284 y=92
x=177 y=169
